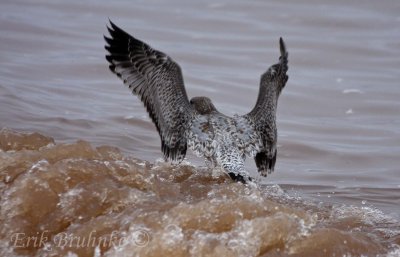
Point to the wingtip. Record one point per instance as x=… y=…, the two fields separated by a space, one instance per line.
x=107 y=39
x=109 y=58
x=113 y=29
x=282 y=47
x=111 y=23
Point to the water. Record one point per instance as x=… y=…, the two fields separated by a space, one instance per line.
x=336 y=187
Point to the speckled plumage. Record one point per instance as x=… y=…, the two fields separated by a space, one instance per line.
x=224 y=141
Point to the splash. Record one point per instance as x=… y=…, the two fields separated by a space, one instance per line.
x=80 y=200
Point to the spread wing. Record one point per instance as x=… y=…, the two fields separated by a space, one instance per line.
x=157 y=80
x=263 y=115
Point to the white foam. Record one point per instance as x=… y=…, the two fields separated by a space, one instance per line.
x=97 y=252
x=394 y=253
x=71 y=254
x=172 y=234
x=352 y=91
x=39 y=166
x=368 y=215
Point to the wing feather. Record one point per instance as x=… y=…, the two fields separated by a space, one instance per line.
x=157 y=80
x=263 y=115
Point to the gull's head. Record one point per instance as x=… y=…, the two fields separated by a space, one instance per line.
x=202 y=105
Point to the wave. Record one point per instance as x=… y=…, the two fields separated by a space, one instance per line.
x=80 y=200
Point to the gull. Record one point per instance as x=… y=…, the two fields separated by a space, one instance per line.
x=223 y=141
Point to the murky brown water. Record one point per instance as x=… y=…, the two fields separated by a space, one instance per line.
x=336 y=188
